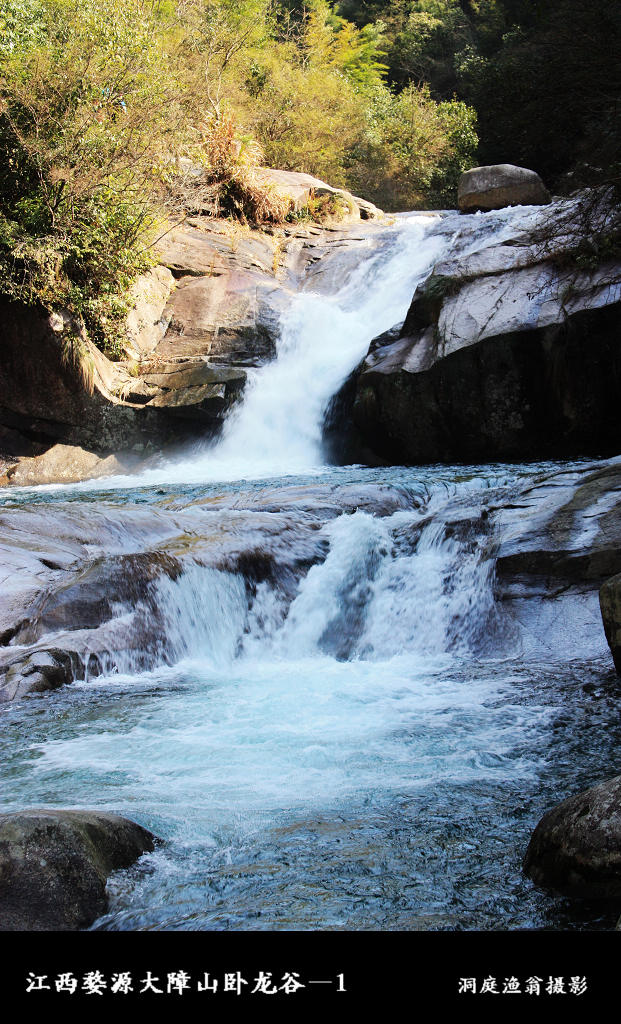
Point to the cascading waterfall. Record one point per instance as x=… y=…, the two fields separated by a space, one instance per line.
x=325 y=712
x=277 y=429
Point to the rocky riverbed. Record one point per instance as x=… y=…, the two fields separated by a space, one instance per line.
x=255 y=653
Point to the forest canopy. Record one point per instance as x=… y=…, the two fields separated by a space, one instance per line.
x=103 y=101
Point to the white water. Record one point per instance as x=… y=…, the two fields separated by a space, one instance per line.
x=276 y=431
x=349 y=757
x=381 y=694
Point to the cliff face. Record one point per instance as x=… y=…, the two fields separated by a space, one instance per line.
x=203 y=317
x=510 y=349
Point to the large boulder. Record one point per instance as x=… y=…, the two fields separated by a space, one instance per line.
x=610 y=605
x=54 y=865
x=35 y=673
x=499 y=185
x=576 y=847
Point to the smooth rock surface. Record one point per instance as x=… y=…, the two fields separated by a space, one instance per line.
x=146 y=324
x=576 y=847
x=54 y=865
x=499 y=185
x=510 y=349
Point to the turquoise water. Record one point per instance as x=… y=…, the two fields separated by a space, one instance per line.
x=365 y=742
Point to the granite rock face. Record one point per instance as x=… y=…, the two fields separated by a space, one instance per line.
x=576 y=847
x=63 y=463
x=54 y=865
x=511 y=348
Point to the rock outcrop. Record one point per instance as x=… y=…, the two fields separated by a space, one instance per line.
x=576 y=847
x=209 y=312
x=510 y=349
x=54 y=865
x=558 y=541
x=610 y=604
x=499 y=185
x=302 y=189
x=127 y=588
x=35 y=673
x=63 y=463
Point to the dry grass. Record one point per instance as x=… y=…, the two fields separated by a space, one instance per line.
x=75 y=354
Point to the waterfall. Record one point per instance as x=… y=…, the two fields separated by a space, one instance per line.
x=277 y=429
x=320 y=695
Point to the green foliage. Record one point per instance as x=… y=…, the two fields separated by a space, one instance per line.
x=80 y=108
x=458 y=123
x=598 y=248
x=544 y=77
x=414 y=149
x=550 y=96
x=100 y=100
x=22 y=26
x=321 y=208
x=424 y=49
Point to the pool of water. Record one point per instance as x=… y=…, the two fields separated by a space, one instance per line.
x=372 y=752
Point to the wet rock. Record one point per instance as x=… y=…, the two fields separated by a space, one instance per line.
x=124 y=611
x=576 y=847
x=610 y=604
x=97 y=592
x=43 y=670
x=54 y=865
x=565 y=529
x=491 y=188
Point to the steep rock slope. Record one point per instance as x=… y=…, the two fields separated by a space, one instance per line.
x=511 y=348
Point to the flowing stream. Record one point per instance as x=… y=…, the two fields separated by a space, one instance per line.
x=330 y=719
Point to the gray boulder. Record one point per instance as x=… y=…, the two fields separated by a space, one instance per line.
x=38 y=672
x=54 y=865
x=499 y=185
x=610 y=605
x=576 y=847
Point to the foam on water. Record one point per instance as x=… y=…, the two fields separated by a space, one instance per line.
x=380 y=694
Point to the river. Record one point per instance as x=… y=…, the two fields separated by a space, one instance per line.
x=324 y=709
